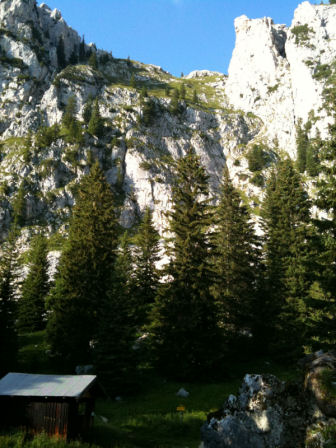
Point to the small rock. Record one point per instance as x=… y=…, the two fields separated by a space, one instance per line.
x=183 y=393
x=232 y=400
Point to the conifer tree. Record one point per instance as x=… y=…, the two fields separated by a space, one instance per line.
x=19 y=207
x=237 y=265
x=185 y=331
x=174 y=106
x=132 y=81
x=123 y=269
x=96 y=123
x=146 y=256
x=302 y=143
x=85 y=270
x=183 y=92
x=93 y=60
x=31 y=306
x=82 y=52
x=148 y=112
x=143 y=93
x=62 y=63
x=114 y=354
x=70 y=122
x=313 y=151
x=326 y=201
x=70 y=112
x=73 y=60
x=286 y=223
x=195 y=97
x=8 y=278
x=87 y=112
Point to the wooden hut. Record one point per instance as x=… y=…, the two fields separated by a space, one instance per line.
x=60 y=405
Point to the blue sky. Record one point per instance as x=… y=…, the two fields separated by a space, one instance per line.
x=178 y=35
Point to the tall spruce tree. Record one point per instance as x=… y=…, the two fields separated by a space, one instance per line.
x=185 y=332
x=31 y=306
x=237 y=266
x=85 y=270
x=19 y=206
x=73 y=60
x=114 y=354
x=8 y=297
x=96 y=123
x=286 y=223
x=326 y=201
x=175 y=107
x=61 y=58
x=313 y=152
x=82 y=51
x=70 y=121
x=93 y=62
x=87 y=113
x=146 y=256
x=302 y=143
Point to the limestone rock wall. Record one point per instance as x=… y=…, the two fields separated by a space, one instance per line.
x=272 y=83
x=272 y=70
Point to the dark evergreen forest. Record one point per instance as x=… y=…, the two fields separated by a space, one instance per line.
x=235 y=287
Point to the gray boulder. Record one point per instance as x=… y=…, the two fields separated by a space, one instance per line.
x=266 y=414
x=269 y=413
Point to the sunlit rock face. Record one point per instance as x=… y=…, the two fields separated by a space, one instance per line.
x=274 y=81
x=272 y=70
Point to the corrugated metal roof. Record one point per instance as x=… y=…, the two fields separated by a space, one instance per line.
x=30 y=385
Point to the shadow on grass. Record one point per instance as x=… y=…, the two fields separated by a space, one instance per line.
x=150 y=431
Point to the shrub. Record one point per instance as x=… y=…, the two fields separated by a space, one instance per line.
x=45 y=135
x=272 y=89
x=23 y=440
x=322 y=71
x=145 y=165
x=148 y=112
x=115 y=141
x=257 y=158
x=301 y=33
x=14 y=62
x=104 y=58
x=258 y=179
x=4 y=189
x=47 y=166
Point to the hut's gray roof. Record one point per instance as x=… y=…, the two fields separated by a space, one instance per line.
x=30 y=385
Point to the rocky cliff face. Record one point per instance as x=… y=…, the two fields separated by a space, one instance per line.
x=275 y=71
x=275 y=78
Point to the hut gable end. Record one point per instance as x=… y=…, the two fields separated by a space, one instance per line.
x=60 y=405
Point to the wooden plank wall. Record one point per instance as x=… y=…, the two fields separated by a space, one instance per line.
x=49 y=417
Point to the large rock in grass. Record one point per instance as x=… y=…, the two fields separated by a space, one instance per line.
x=269 y=413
